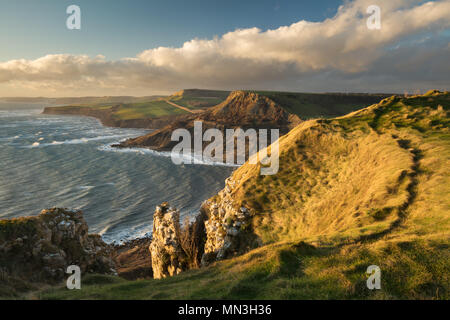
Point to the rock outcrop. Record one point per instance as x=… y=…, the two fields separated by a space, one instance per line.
x=168 y=257
x=245 y=110
x=228 y=228
x=40 y=248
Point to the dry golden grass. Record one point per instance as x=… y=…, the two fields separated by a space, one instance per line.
x=328 y=183
x=357 y=176
x=368 y=188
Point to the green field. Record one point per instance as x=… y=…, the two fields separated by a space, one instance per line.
x=369 y=188
x=194 y=103
x=129 y=108
x=195 y=99
x=289 y=271
x=315 y=105
x=304 y=105
x=152 y=109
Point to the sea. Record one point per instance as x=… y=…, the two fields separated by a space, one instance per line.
x=51 y=161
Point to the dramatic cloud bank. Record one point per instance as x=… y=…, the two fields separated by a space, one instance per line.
x=411 y=51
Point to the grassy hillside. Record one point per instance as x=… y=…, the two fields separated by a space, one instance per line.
x=195 y=99
x=317 y=105
x=128 y=111
x=369 y=188
x=152 y=109
x=130 y=108
x=304 y=105
x=196 y=103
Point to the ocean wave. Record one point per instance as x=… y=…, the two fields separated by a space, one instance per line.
x=124 y=235
x=9 y=138
x=77 y=141
x=85 y=187
x=18 y=114
x=186 y=158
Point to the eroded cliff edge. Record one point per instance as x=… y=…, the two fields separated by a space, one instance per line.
x=39 y=249
x=245 y=110
x=106 y=117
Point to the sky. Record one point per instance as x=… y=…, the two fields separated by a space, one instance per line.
x=139 y=47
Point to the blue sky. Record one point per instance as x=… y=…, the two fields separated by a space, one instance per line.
x=139 y=47
x=122 y=28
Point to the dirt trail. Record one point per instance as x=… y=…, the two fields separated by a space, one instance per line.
x=182 y=108
x=412 y=192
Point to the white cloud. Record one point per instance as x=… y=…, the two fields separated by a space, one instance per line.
x=339 y=53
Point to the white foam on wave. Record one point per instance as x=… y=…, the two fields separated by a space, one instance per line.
x=9 y=138
x=123 y=236
x=79 y=141
x=85 y=187
x=142 y=230
x=103 y=231
x=186 y=158
x=17 y=114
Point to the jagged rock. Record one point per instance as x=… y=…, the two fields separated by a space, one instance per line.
x=224 y=234
x=45 y=245
x=168 y=257
x=241 y=109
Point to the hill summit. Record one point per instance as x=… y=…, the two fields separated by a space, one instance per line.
x=369 y=188
x=240 y=110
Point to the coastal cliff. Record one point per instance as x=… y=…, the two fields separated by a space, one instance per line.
x=40 y=248
x=168 y=257
x=107 y=118
x=365 y=189
x=241 y=109
x=354 y=176
x=228 y=227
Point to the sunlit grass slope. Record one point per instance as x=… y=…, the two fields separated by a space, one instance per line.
x=195 y=99
x=369 y=188
x=151 y=109
x=316 y=105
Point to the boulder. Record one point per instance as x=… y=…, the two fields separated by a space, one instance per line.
x=42 y=247
x=167 y=255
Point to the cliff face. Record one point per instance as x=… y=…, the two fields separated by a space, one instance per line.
x=248 y=108
x=107 y=118
x=40 y=248
x=228 y=228
x=240 y=110
x=369 y=188
x=168 y=257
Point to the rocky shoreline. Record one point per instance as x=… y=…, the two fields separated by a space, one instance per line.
x=222 y=228
x=244 y=110
x=40 y=248
x=44 y=246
